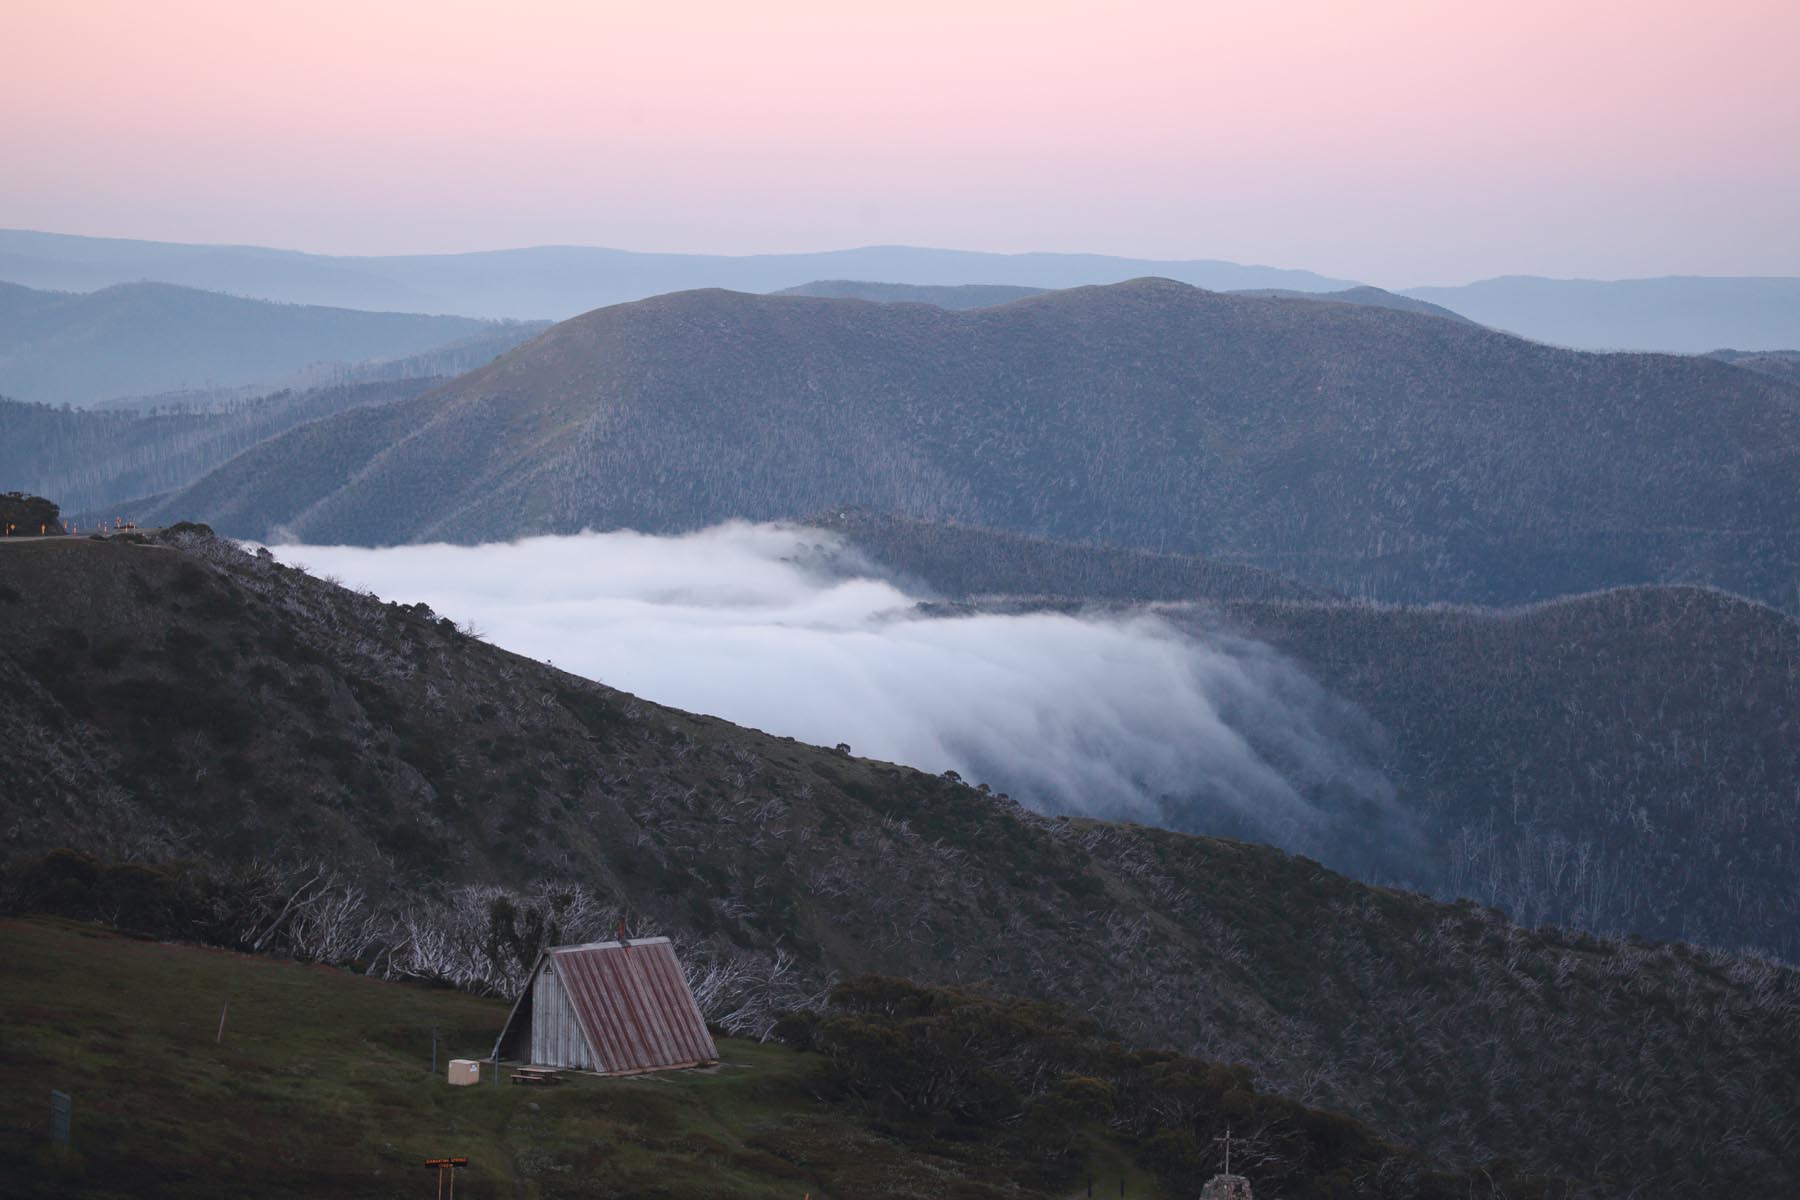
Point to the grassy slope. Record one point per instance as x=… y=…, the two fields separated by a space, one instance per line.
x=322 y=1086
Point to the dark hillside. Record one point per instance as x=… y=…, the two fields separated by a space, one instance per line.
x=1361 y=449
x=1375 y=296
x=963 y=562
x=186 y=700
x=92 y=458
x=1619 y=762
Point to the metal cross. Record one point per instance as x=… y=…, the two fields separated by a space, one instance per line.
x=1227 y=1140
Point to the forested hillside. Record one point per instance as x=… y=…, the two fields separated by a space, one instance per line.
x=964 y=562
x=1360 y=449
x=1621 y=762
x=183 y=700
x=983 y=295
x=1373 y=296
x=1777 y=364
x=95 y=458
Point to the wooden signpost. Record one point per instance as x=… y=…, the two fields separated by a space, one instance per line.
x=60 y=1108
x=449 y=1167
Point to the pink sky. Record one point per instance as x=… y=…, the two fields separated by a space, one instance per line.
x=1400 y=143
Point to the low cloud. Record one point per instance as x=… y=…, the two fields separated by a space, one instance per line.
x=1142 y=715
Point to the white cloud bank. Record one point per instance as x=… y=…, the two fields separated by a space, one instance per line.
x=1141 y=716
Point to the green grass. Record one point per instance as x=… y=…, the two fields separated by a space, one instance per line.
x=322 y=1086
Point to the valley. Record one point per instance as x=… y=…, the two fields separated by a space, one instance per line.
x=900 y=602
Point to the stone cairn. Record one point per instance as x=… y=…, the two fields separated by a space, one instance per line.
x=1225 y=1185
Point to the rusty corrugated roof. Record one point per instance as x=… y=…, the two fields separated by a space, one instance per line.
x=634 y=1004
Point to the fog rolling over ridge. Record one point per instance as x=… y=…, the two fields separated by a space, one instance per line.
x=1124 y=715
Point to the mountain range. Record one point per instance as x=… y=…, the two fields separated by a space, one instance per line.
x=1684 y=314
x=561 y=281
x=1674 y=314
x=978 y=295
x=1362 y=450
x=181 y=699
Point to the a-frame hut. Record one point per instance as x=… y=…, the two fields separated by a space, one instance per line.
x=615 y=1008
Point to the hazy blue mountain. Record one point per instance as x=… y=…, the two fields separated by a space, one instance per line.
x=561 y=281
x=1375 y=296
x=1682 y=314
x=138 y=339
x=1362 y=449
x=964 y=295
x=435 y=365
x=64 y=262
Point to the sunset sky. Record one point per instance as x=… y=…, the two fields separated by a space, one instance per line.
x=1396 y=142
